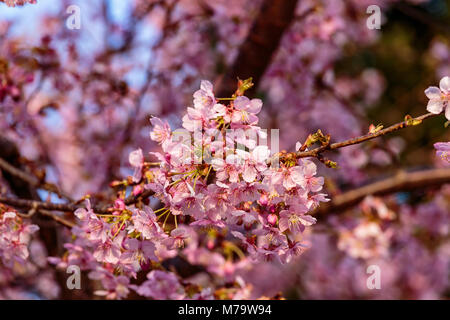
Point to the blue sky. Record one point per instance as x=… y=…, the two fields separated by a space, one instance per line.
x=26 y=22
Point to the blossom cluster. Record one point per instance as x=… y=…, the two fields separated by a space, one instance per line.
x=443 y=150
x=264 y=206
x=15 y=237
x=218 y=204
x=235 y=195
x=439 y=97
x=409 y=243
x=439 y=102
x=23 y=260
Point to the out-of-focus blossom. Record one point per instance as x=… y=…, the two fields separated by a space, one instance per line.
x=443 y=150
x=136 y=159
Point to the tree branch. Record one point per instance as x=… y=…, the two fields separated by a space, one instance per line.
x=23 y=186
x=44 y=207
x=11 y=158
x=391 y=185
x=31 y=180
x=407 y=123
x=26 y=203
x=404 y=181
x=257 y=50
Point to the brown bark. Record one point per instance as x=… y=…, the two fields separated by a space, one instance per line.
x=255 y=54
x=404 y=181
x=24 y=187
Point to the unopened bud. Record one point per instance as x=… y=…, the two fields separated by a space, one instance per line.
x=137 y=190
x=264 y=200
x=272 y=219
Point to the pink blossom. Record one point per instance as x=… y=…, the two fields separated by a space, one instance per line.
x=15 y=236
x=314 y=184
x=246 y=110
x=205 y=294
x=84 y=213
x=161 y=286
x=295 y=222
x=115 y=287
x=204 y=98
x=177 y=238
x=144 y=221
x=241 y=216
x=255 y=163
x=439 y=97
x=443 y=150
x=226 y=169
x=294 y=249
x=138 y=253
x=161 y=132
x=107 y=251
x=137 y=190
x=204 y=108
x=289 y=177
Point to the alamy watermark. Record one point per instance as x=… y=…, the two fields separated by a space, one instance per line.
x=374 y=280
x=73 y=281
x=233 y=146
x=374 y=20
x=73 y=22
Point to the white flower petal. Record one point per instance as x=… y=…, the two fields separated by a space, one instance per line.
x=307 y=220
x=222 y=185
x=435 y=106
x=447 y=112
x=206 y=86
x=255 y=106
x=241 y=103
x=9 y=215
x=249 y=174
x=433 y=93
x=444 y=84
x=261 y=153
x=136 y=158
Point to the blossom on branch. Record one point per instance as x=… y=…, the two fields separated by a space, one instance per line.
x=439 y=98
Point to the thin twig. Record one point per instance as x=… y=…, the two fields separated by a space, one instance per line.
x=32 y=180
x=26 y=203
x=57 y=218
x=317 y=151
x=67 y=207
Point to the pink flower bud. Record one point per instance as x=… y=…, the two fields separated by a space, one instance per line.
x=210 y=244
x=272 y=219
x=14 y=91
x=137 y=190
x=264 y=200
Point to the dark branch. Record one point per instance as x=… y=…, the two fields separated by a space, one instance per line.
x=407 y=123
x=257 y=50
x=404 y=181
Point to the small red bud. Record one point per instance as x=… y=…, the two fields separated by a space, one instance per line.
x=210 y=244
x=264 y=200
x=272 y=219
x=137 y=190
